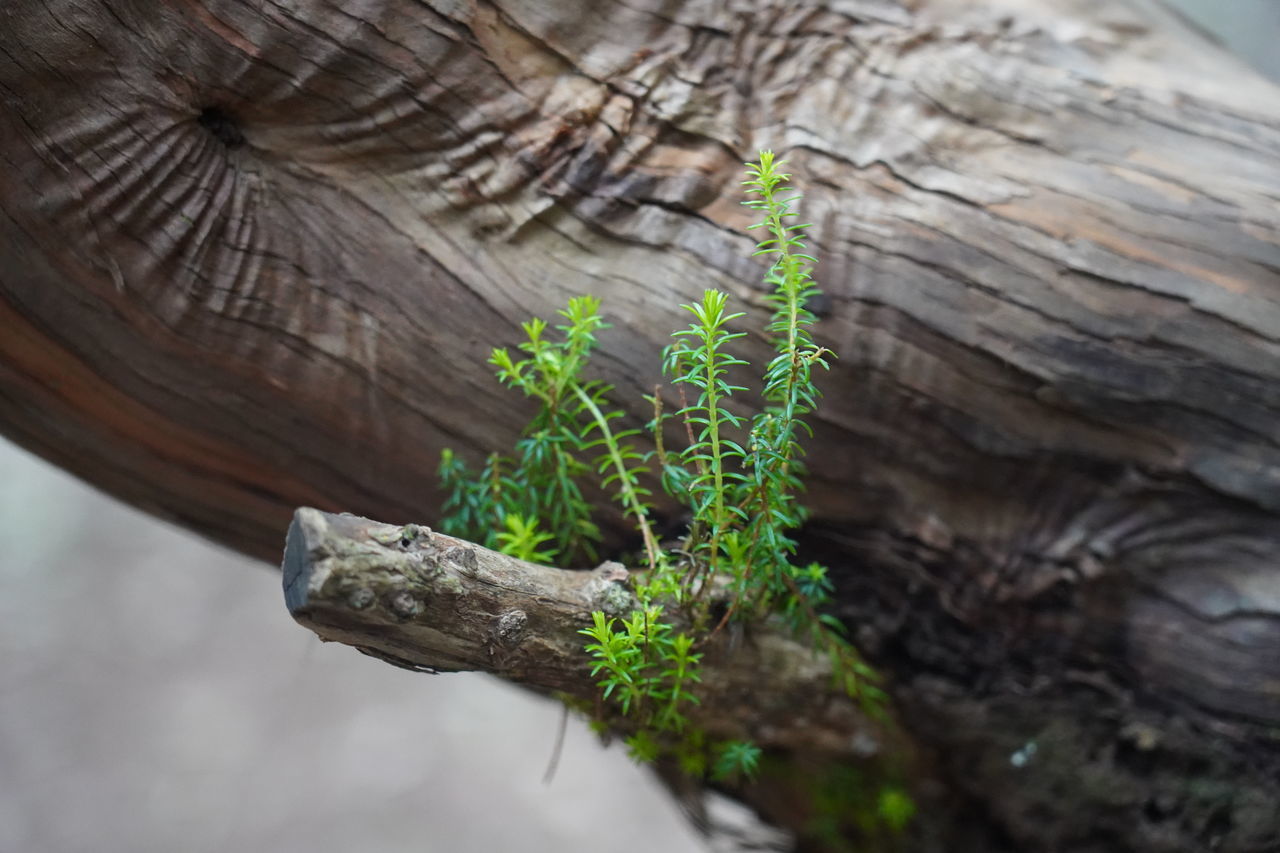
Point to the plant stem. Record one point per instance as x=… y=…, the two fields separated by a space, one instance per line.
x=625 y=485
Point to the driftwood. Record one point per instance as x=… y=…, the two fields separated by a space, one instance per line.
x=253 y=257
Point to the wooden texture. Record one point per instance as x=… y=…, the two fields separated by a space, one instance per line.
x=427 y=601
x=253 y=257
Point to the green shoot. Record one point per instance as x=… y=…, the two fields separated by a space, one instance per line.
x=698 y=358
x=739 y=478
x=523 y=540
x=736 y=758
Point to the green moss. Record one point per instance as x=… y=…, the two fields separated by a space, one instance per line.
x=848 y=808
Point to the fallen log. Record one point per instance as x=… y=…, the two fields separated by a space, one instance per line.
x=253 y=258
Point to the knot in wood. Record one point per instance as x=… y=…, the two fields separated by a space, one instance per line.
x=608 y=590
x=221 y=125
x=510 y=626
x=405 y=605
x=412 y=534
x=460 y=556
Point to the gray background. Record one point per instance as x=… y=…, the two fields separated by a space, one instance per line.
x=1249 y=27
x=154 y=695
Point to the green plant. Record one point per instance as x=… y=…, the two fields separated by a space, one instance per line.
x=569 y=438
x=740 y=478
x=523 y=539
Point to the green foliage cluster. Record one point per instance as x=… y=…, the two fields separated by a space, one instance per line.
x=534 y=499
x=849 y=809
x=649 y=670
x=740 y=478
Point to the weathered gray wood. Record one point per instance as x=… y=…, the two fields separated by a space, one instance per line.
x=427 y=601
x=232 y=286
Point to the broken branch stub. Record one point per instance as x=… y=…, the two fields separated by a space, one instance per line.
x=426 y=601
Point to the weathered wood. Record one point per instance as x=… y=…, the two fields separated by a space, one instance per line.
x=427 y=601
x=263 y=270
x=253 y=258
x=424 y=601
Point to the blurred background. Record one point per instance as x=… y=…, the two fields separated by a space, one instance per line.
x=155 y=695
x=1251 y=28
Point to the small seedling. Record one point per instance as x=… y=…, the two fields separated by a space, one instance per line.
x=739 y=477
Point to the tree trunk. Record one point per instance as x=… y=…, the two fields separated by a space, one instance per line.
x=254 y=257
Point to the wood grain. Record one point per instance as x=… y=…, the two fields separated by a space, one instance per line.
x=253 y=257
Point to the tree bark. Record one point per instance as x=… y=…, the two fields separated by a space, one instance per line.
x=253 y=257
x=427 y=601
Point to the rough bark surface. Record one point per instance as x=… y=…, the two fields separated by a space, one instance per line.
x=253 y=256
x=427 y=601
